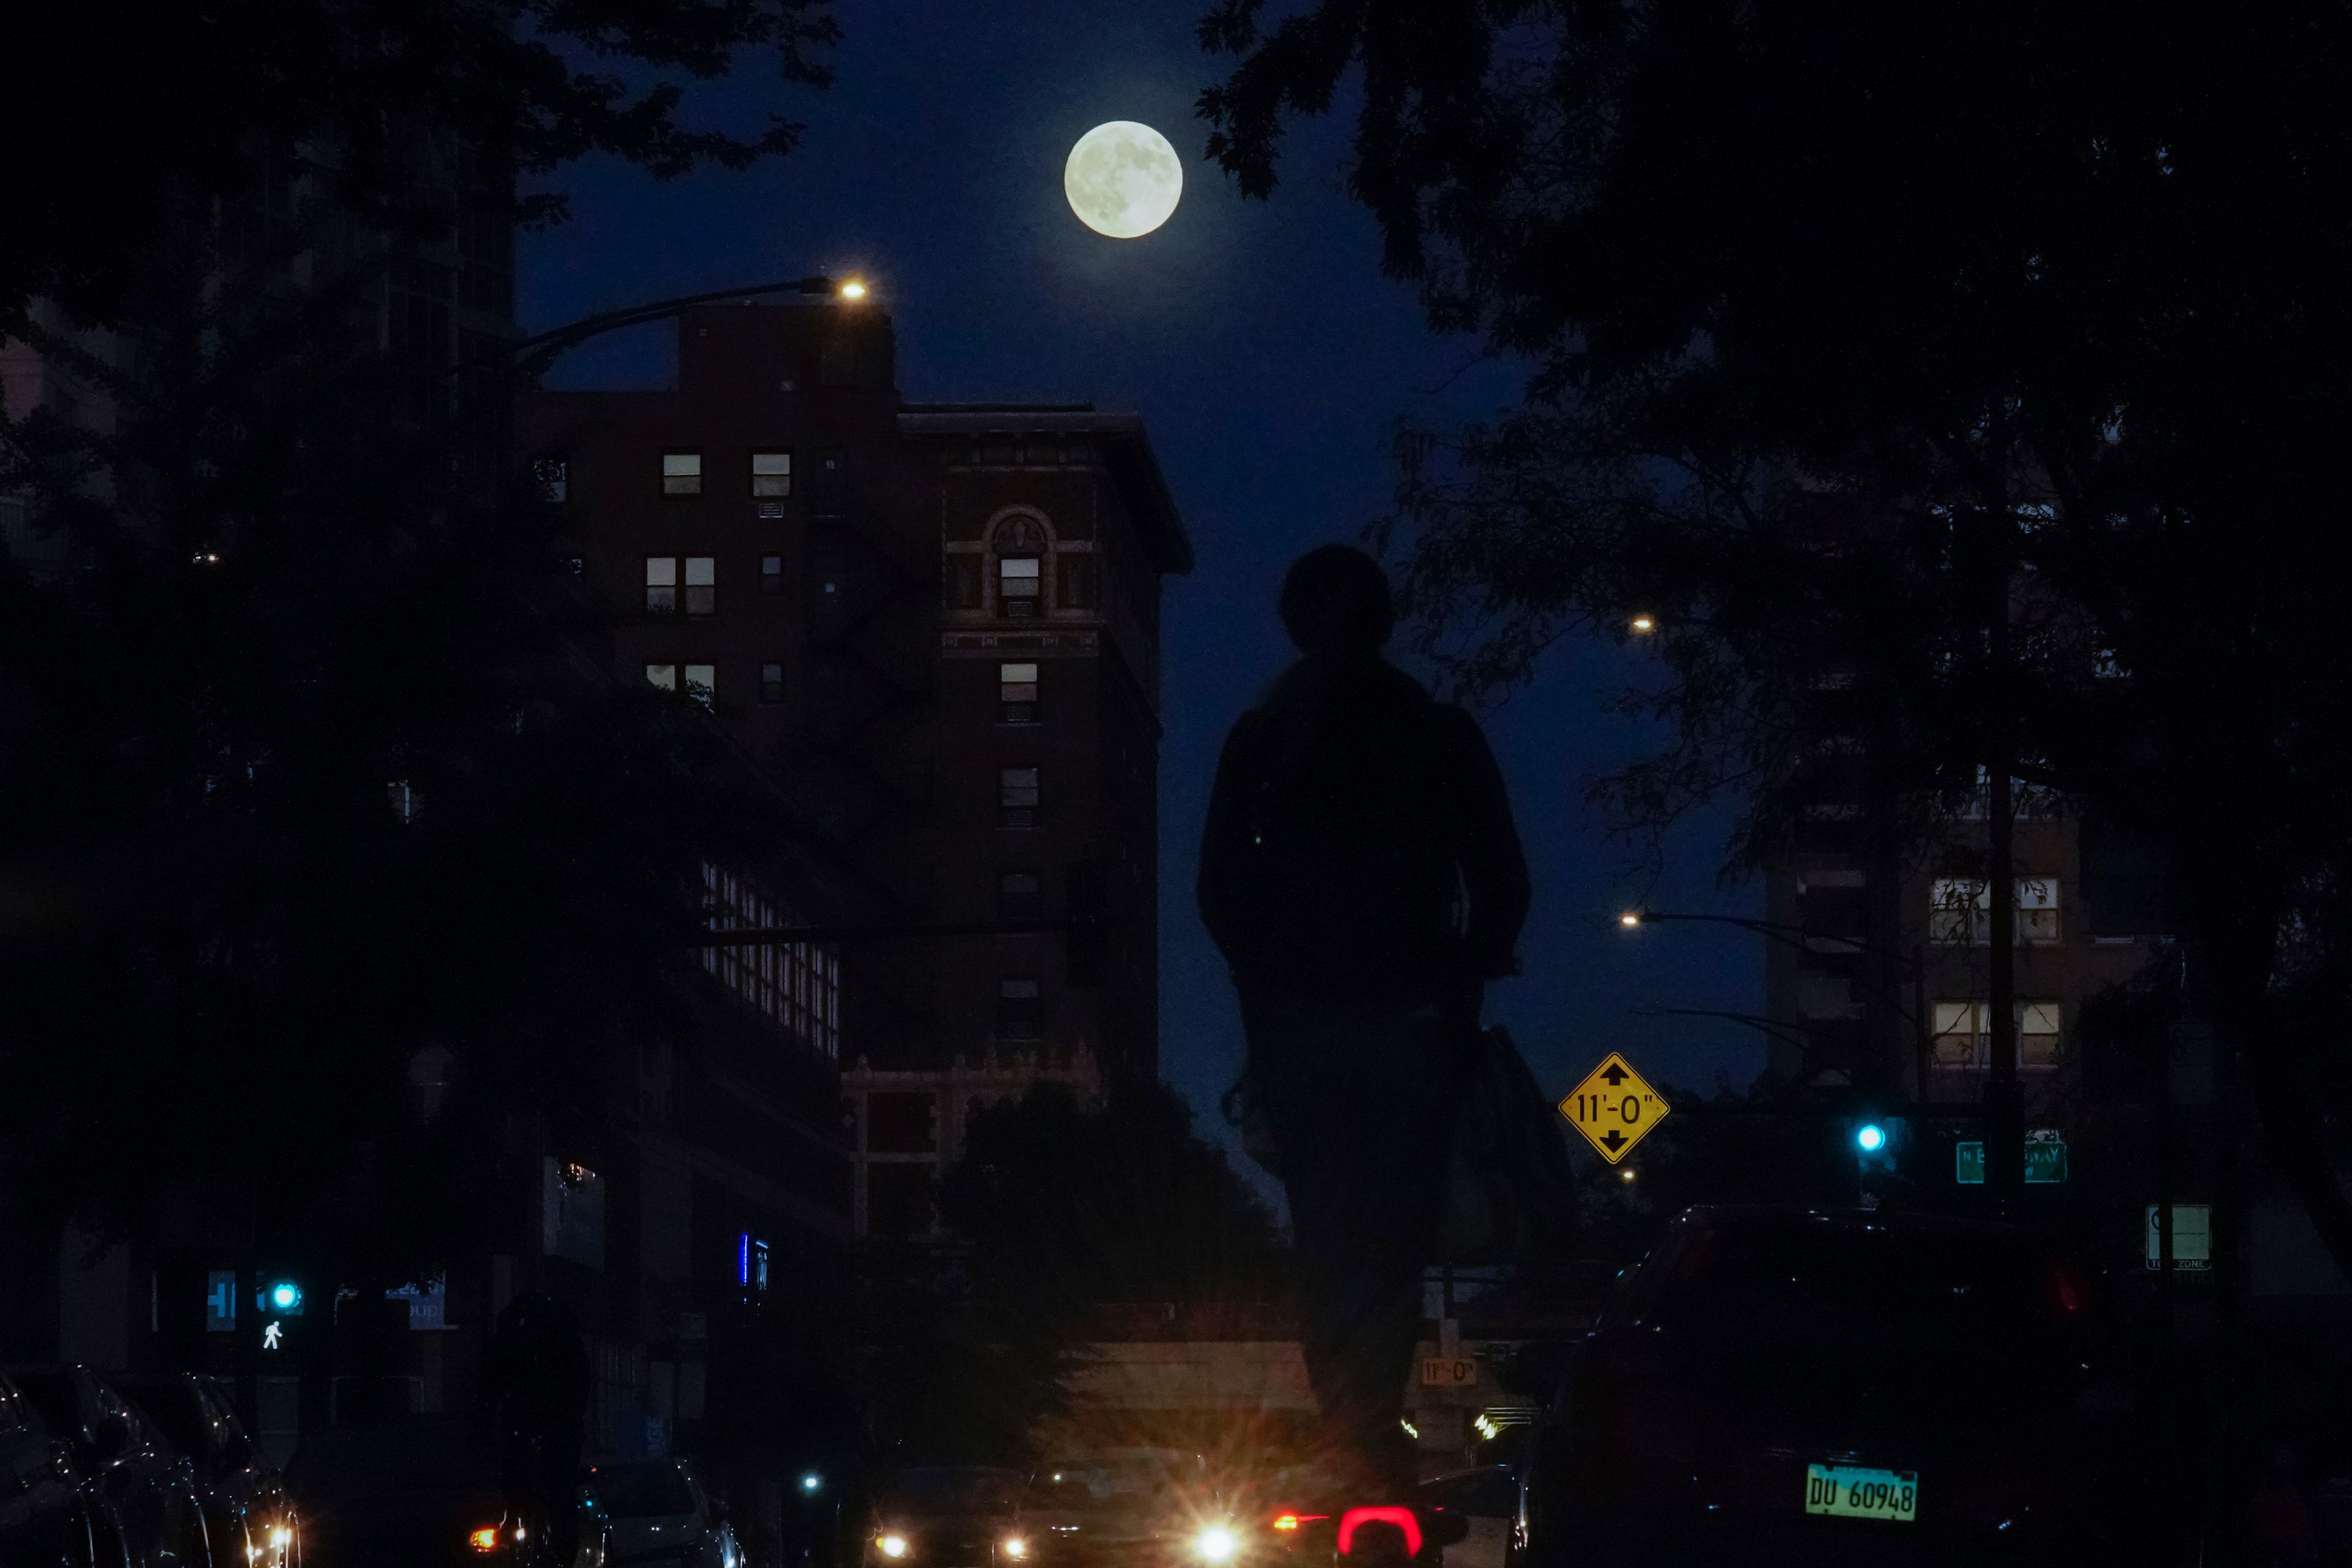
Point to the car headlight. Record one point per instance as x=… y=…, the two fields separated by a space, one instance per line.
x=1217 y=1543
x=1015 y=1548
x=893 y=1544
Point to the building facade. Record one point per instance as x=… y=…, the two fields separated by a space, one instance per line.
x=937 y=628
x=712 y=1168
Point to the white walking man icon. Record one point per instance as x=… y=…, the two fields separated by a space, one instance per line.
x=269 y=1337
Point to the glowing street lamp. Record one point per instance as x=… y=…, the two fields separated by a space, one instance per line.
x=1643 y=624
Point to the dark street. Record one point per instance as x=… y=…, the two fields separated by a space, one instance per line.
x=1247 y=783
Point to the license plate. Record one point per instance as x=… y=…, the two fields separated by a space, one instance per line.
x=1850 y=1491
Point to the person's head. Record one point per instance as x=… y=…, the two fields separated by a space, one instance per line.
x=1335 y=600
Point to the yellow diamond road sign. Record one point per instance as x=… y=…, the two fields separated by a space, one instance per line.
x=1613 y=1108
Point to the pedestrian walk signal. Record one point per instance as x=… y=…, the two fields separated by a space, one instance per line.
x=1613 y=1108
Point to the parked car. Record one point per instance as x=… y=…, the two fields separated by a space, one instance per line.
x=660 y=1513
x=139 y=1490
x=421 y=1493
x=1485 y=1503
x=1775 y=1384
x=44 y=1522
x=249 y=1518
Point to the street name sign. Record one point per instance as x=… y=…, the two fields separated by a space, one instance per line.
x=2192 y=1238
x=2046 y=1163
x=1613 y=1108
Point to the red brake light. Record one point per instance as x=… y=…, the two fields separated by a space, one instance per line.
x=1400 y=1517
x=2067 y=1291
x=485 y=1539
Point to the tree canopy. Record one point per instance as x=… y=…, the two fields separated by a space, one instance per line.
x=1973 y=370
x=135 y=106
x=332 y=859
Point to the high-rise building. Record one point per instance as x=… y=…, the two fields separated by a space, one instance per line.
x=936 y=627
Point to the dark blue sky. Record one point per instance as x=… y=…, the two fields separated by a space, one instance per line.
x=1269 y=359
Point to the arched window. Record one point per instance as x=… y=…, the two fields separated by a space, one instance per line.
x=1020 y=547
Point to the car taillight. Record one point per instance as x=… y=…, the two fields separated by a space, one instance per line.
x=485 y=1539
x=1402 y=1517
x=1289 y=1521
x=2068 y=1291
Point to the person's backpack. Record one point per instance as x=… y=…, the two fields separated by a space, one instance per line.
x=1509 y=1188
x=1511 y=1191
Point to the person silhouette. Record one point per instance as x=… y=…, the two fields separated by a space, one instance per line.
x=1361 y=875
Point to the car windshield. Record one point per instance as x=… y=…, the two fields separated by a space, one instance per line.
x=953 y=1488
x=1105 y=1485
x=1872 y=1291
x=637 y=1491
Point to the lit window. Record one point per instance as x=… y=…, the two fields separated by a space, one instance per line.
x=797 y=985
x=1017 y=794
x=2037 y=1034
x=1020 y=894
x=681 y=473
x=1020 y=546
x=1959 y=911
x=701 y=682
x=772 y=577
x=1017 y=1009
x=2037 y=911
x=771 y=474
x=1963 y=1040
x=772 y=683
x=1957 y=1043
x=553 y=477
x=1017 y=586
x=1016 y=690
x=663 y=675
x=661 y=584
x=701 y=585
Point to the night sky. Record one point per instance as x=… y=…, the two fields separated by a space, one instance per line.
x=1269 y=359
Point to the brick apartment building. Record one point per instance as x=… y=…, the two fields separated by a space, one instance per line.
x=936 y=627
x=1887 y=986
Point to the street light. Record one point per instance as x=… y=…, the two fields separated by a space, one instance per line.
x=535 y=353
x=1643 y=624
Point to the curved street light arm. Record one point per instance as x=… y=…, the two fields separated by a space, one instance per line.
x=536 y=353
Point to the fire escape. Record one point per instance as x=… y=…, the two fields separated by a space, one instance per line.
x=873 y=656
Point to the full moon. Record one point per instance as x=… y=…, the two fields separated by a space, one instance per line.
x=1123 y=179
